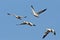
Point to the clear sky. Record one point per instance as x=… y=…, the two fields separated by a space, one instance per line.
x=49 y=19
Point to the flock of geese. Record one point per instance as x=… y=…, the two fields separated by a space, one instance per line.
x=36 y=14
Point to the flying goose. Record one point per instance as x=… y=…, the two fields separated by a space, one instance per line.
x=27 y=23
x=48 y=31
x=36 y=14
x=18 y=17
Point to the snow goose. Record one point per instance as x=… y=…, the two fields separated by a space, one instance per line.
x=27 y=23
x=18 y=17
x=48 y=31
x=36 y=14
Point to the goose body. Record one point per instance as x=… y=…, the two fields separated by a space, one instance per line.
x=48 y=31
x=36 y=14
x=18 y=17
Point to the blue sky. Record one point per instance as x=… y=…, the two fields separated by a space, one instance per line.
x=49 y=19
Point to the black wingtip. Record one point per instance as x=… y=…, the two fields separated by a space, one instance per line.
x=54 y=33
x=43 y=37
x=32 y=6
x=8 y=13
x=45 y=9
x=34 y=25
x=25 y=16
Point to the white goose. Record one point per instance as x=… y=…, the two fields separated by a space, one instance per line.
x=27 y=23
x=18 y=17
x=48 y=31
x=36 y=14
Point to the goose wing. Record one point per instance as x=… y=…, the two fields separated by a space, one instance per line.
x=23 y=23
x=31 y=24
x=11 y=14
x=41 y=11
x=45 y=34
x=33 y=9
x=23 y=16
x=53 y=31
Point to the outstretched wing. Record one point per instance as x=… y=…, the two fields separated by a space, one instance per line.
x=11 y=14
x=46 y=33
x=41 y=11
x=23 y=23
x=33 y=9
x=54 y=33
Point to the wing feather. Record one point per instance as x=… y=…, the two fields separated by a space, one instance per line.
x=41 y=11
x=46 y=33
